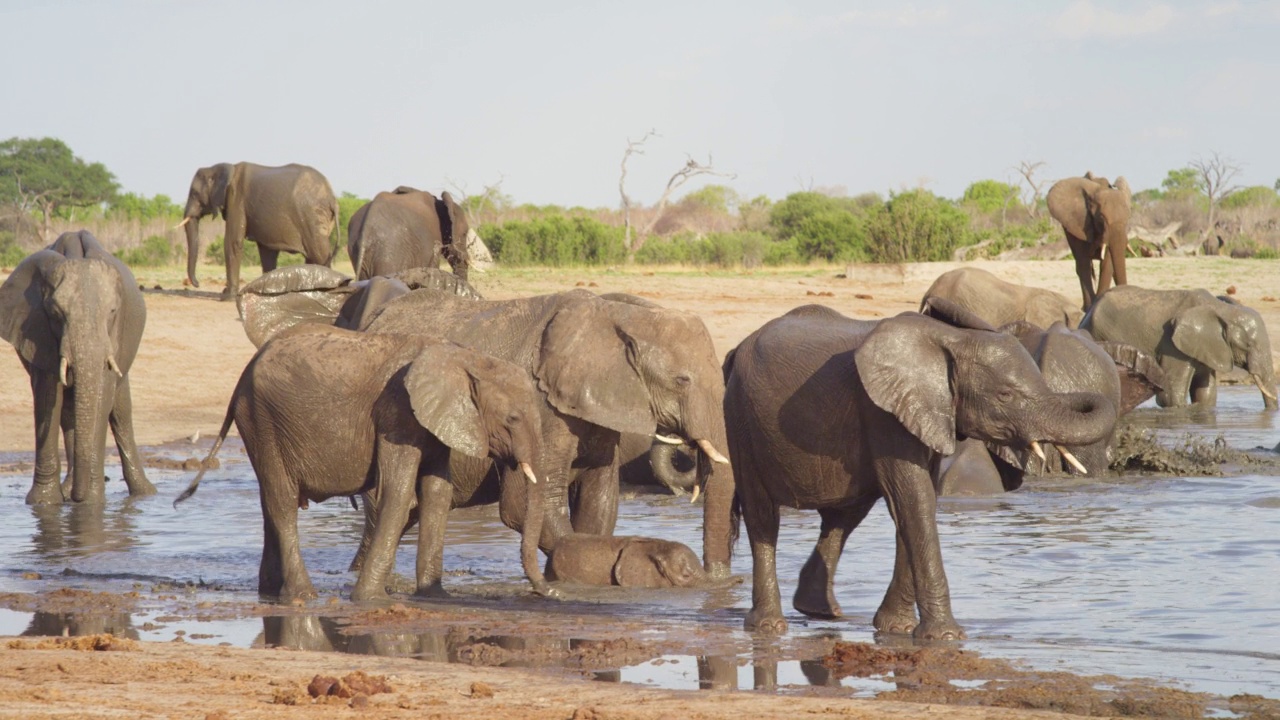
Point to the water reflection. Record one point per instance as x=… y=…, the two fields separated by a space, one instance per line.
x=72 y=529
x=53 y=624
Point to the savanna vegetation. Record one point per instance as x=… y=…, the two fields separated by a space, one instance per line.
x=46 y=189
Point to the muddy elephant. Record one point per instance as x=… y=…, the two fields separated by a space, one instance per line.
x=626 y=561
x=408 y=404
x=1000 y=302
x=647 y=462
x=603 y=368
x=290 y=208
x=405 y=229
x=829 y=413
x=1095 y=217
x=1193 y=335
x=75 y=315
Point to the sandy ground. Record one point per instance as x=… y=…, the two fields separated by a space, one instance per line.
x=191 y=356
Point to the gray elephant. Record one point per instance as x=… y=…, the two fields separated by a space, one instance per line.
x=1095 y=217
x=290 y=208
x=829 y=413
x=405 y=229
x=647 y=462
x=626 y=561
x=408 y=405
x=1000 y=302
x=1193 y=335
x=75 y=315
x=604 y=368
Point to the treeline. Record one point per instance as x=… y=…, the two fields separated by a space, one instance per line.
x=45 y=188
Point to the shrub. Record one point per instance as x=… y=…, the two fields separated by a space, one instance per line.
x=1259 y=195
x=916 y=226
x=556 y=241
x=725 y=250
x=11 y=252
x=249 y=257
x=155 y=251
x=820 y=226
x=991 y=196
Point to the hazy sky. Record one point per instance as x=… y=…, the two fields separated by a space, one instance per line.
x=865 y=95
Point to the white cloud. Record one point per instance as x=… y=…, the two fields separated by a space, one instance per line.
x=1082 y=19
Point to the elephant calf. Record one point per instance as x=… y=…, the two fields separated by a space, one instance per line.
x=325 y=412
x=627 y=561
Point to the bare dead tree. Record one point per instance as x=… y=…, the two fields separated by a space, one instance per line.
x=1027 y=170
x=490 y=199
x=692 y=168
x=1215 y=176
x=634 y=147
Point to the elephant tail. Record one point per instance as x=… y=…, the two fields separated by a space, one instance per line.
x=217 y=445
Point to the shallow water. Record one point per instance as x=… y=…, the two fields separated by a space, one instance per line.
x=1168 y=578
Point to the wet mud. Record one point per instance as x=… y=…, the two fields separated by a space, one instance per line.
x=1139 y=450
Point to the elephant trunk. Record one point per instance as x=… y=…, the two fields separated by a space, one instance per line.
x=715 y=476
x=1072 y=419
x=93 y=385
x=191 y=223
x=675 y=466
x=1261 y=370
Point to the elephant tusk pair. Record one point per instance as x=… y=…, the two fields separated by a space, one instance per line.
x=185 y=220
x=1262 y=386
x=111 y=363
x=1066 y=455
x=528 y=472
x=62 y=371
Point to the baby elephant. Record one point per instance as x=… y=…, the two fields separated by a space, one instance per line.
x=325 y=412
x=627 y=561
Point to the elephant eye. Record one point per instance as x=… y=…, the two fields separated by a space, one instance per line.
x=1004 y=396
x=513 y=418
x=683 y=380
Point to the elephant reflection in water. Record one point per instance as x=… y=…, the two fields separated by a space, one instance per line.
x=53 y=624
x=82 y=530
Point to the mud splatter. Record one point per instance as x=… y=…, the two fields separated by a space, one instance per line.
x=1138 y=451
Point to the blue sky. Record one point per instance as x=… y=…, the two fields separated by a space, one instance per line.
x=869 y=96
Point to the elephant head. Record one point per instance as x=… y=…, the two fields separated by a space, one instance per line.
x=1095 y=217
x=64 y=310
x=1222 y=335
x=207 y=196
x=454 y=228
x=652 y=563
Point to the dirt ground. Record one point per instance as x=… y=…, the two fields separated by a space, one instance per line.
x=191 y=356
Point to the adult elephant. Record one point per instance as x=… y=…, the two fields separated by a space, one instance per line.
x=829 y=413
x=290 y=208
x=406 y=406
x=405 y=229
x=604 y=368
x=646 y=462
x=1095 y=217
x=1193 y=335
x=1000 y=302
x=75 y=315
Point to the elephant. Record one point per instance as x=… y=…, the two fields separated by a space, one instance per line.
x=299 y=294
x=1000 y=302
x=75 y=315
x=830 y=413
x=645 y=461
x=405 y=229
x=289 y=208
x=1192 y=335
x=626 y=561
x=603 y=368
x=325 y=412
x=1095 y=217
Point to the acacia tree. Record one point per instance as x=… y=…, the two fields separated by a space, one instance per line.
x=692 y=168
x=1213 y=177
x=43 y=174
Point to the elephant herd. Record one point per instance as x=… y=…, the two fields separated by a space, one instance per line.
x=402 y=385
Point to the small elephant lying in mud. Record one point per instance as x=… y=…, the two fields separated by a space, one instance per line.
x=626 y=561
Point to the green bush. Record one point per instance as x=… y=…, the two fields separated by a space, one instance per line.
x=916 y=226
x=991 y=196
x=822 y=227
x=155 y=251
x=1257 y=195
x=726 y=250
x=1266 y=252
x=11 y=253
x=555 y=241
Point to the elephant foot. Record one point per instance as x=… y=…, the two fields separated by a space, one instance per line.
x=227 y=295
x=896 y=623
x=938 y=630
x=815 y=604
x=545 y=590
x=49 y=493
x=141 y=488
x=769 y=623
x=366 y=594
x=432 y=590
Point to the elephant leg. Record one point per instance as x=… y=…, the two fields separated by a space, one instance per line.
x=397 y=469
x=122 y=429
x=913 y=505
x=435 y=496
x=68 y=422
x=897 y=612
x=815 y=593
x=46 y=488
x=282 y=573
x=762 y=522
x=596 y=509
x=1177 y=383
x=1084 y=268
x=233 y=250
x=270 y=258
x=1204 y=388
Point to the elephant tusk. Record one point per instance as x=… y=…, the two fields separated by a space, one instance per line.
x=1263 y=388
x=711 y=452
x=1035 y=448
x=62 y=371
x=528 y=472
x=1071 y=460
x=668 y=439
x=697 y=490
x=111 y=363
x=185 y=220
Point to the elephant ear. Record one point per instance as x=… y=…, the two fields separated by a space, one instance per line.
x=636 y=566
x=452 y=221
x=906 y=371
x=1141 y=377
x=1198 y=333
x=220 y=193
x=953 y=314
x=23 y=320
x=589 y=368
x=442 y=394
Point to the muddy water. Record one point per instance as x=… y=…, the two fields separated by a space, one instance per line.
x=1173 y=579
